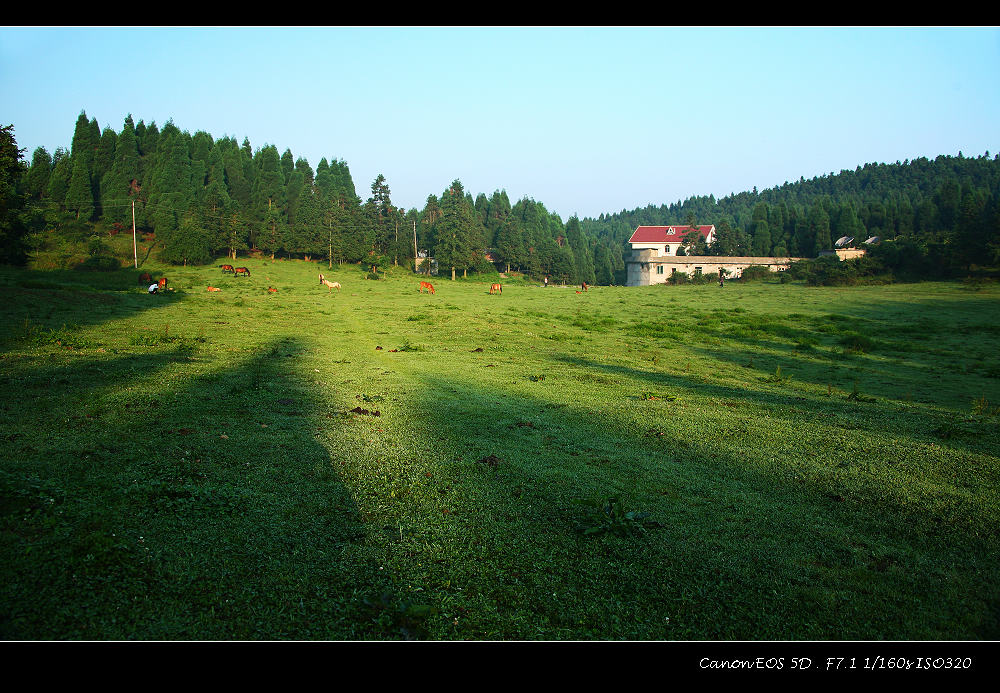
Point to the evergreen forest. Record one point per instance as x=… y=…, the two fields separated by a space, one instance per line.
x=197 y=197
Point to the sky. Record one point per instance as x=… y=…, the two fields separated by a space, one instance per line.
x=586 y=120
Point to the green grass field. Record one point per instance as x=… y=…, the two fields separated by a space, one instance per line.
x=760 y=461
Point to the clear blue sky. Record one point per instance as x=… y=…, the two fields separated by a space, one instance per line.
x=584 y=120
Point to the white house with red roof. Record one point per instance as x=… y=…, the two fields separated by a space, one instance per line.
x=667 y=239
x=654 y=257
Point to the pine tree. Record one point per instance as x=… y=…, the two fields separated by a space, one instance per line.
x=287 y=163
x=509 y=243
x=303 y=167
x=103 y=158
x=62 y=171
x=37 y=180
x=760 y=231
x=603 y=266
x=380 y=210
x=293 y=191
x=171 y=192
x=583 y=261
x=190 y=242
x=13 y=225
x=324 y=180
x=971 y=238
x=453 y=247
x=84 y=143
x=80 y=195
x=563 y=266
x=308 y=227
x=847 y=224
x=269 y=200
x=236 y=179
x=818 y=232
x=119 y=185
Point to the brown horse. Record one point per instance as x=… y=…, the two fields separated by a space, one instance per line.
x=214 y=288
x=241 y=272
x=271 y=290
x=228 y=268
x=426 y=285
x=145 y=279
x=584 y=286
x=496 y=289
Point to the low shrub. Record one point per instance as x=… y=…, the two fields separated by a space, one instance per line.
x=756 y=273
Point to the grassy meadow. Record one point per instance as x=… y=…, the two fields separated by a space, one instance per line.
x=760 y=461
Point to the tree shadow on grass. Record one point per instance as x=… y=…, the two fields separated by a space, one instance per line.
x=205 y=510
x=778 y=396
x=520 y=544
x=920 y=335
x=47 y=301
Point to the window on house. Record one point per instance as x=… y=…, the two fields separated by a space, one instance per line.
x=659 y=269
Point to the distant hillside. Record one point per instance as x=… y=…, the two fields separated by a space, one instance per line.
x=948 y=199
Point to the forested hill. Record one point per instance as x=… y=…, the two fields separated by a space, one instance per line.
x=923 y=198
x=199 y=197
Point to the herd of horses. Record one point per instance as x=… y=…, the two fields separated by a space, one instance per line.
x=236 y=271
x=146 y=278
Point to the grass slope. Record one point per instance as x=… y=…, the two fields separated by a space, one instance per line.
x=758 y=461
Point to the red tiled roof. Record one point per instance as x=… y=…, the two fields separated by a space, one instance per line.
x=665 y=234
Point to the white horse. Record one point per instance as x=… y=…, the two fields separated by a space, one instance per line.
x=329 y=284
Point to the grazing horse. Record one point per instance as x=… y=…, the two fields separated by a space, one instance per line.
x=241 y=272
x=214 y=288
x=584 y=286
x=145 y=279
x=426 y=285
x=496 y=289
x=228 y=268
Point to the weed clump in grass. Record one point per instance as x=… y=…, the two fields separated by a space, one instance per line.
x=647 y=395
x=613 y=519
x=490 y=461
x=856 y=395
x=982 y=407
x=777 y=377
x=855 y=343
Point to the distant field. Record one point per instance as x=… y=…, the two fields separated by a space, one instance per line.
x=756 y=462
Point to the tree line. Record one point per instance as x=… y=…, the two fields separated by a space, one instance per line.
x=945 y=210
x=202 y=197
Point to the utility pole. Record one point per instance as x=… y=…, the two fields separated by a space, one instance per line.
x=135 y=252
